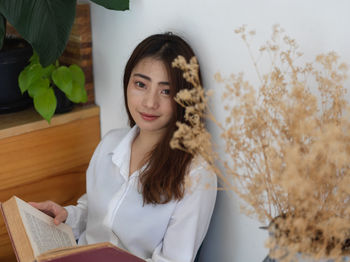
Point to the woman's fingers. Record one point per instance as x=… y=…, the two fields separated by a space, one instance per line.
x=47 y=207
x=52 y=209
x=43 y=206
x=61 y=217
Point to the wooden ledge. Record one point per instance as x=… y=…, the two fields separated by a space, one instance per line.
x=29 y=120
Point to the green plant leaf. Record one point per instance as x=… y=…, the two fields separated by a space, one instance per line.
x=45 y=24
x=38 y=86
x=62 y=78
x=34 y=59
x=2 y=30
x=45 y=103
x=31 y=74
x=77 y=74
x=47 y=71
x=78 y=94
x=114 y=4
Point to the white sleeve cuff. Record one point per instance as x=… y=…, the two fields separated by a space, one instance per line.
x=77 y=217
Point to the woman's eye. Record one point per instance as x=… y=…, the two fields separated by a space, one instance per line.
x=139 y=84
x=166 y=91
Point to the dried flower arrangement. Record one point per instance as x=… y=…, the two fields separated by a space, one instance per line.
x=288 y=145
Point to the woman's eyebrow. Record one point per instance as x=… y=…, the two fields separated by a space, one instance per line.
x=143 y=76
x=164 y=83
x=149 y=79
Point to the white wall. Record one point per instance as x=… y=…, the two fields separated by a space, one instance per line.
x=318 y=25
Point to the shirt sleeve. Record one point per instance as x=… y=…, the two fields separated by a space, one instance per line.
x=190 y=220
x=77 y=216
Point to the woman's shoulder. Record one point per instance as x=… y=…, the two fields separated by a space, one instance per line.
x=113 y=137
x=116 y=134
x=201 y=174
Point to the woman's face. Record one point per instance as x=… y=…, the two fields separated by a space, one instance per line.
x=149 y=96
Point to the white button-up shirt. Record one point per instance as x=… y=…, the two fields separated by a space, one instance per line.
x=112 y=208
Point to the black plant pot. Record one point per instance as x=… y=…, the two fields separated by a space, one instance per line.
x=13 y=58
x=64 y=105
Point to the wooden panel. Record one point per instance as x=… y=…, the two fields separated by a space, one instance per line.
x=46 y=152
x=79 y=47
x=47 y=162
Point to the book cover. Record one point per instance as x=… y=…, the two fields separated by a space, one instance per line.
x=105 y=252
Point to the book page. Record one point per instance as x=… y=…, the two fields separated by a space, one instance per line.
x=43 y=234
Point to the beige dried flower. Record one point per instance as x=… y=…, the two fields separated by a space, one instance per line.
x=288 y=145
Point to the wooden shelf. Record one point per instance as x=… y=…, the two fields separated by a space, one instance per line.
x=39 y=161
x=29 y=120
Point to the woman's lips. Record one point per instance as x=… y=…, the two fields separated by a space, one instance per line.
x=148 y=117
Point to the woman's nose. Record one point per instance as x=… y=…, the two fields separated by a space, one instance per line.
x=150 y=100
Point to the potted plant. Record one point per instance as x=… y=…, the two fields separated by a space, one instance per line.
x=53 y=88
x=287 y=147
x=45 y=25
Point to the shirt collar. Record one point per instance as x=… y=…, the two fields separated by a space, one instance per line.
x=121 y=153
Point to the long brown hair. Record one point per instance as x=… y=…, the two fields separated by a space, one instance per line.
x=163 y=178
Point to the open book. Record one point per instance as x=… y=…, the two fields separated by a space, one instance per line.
x=35 y=237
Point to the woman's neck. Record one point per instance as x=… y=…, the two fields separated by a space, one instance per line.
x=141 y=148
x=146 y=141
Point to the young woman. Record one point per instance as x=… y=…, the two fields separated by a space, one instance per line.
x=136 y=195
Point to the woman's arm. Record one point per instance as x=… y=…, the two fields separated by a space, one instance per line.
x=190 y=220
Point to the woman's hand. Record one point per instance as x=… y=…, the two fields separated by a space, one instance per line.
x=52 y=209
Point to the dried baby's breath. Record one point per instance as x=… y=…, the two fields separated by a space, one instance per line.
x=192 y=135
x=288 y=145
